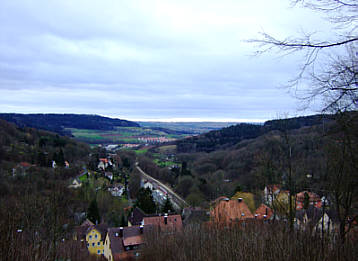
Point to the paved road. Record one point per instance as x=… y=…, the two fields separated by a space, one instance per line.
x=174 y=195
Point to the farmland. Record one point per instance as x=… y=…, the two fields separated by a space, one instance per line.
x=120 y=135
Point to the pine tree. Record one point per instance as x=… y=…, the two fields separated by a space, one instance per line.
x=168 y=206
x=93 y=212
x=145 y=201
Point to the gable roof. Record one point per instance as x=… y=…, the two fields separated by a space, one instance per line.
x=87 y=222
x=263 y=211
x=174 y=222
x=131 y=236
x=226 y=211
x=136 y=217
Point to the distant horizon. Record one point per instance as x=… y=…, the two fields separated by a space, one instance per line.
x=176 y=119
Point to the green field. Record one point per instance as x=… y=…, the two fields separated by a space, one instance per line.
x=120 y=135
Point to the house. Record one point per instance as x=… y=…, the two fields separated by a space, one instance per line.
x=108 y=175
x=76 y=183
x=166 y=223
x=329 y=222
x=225 y=211
x=116 y=190
x=263 y=212
x=147 y=184
x=313 y=218
x=313 y=199
x=95 y=236
x=67 y=165
x=270 y=193
x=135 y=218
x=103 y=163
x=21 y=168
x=124 y=242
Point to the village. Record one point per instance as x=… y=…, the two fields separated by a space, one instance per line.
x=312 y=213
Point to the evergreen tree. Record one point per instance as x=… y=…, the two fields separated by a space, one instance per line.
x=168 y=206
x=93 y=212
x=123 y=222
x=306 y=201
x=145 y=201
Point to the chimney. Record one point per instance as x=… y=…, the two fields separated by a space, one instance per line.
x=266 y=212
x=239 y=199
x=141 y=229
x=165 y=219
x=121 y=231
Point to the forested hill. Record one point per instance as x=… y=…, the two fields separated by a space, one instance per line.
x=230 y=136
x=59 y=122
x=37 y=147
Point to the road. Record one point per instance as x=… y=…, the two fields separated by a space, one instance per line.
x=173 y=195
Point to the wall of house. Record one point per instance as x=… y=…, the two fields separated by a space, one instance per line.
x=94 y=242
x=107 y=249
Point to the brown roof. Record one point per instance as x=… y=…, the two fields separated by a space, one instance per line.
x=136 y=217
x=87 y=222
x=263 y=211
x=131 y=236
x=174 y=222
x=226 y=211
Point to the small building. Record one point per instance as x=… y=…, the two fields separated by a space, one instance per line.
x=124 y=242
x=313 y=199
x=108 y=175
x=270 y=193
x=76 y=183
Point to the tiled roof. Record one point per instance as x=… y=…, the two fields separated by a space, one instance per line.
x=174 y=222
x=263 y=211
x=312 y=196
x=131 y=236
x=227 y=211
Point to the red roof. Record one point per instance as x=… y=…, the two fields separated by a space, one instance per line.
x=25 y=164
x=174 y=222
x=263 y=212
x=104 y=160
x=227 y=211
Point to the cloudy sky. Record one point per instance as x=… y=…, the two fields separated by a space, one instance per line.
x=176 y=60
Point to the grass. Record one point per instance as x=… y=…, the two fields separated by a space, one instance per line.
x=141 y=151
x=83 y=178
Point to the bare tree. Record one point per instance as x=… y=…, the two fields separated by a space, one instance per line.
x=330 y=65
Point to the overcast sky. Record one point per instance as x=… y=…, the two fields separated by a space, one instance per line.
x=177 y=60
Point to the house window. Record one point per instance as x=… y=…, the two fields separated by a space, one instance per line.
x=95 y=236
x=92 y=244
x=99 y=243
x=99 y=252
x=90 y=237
